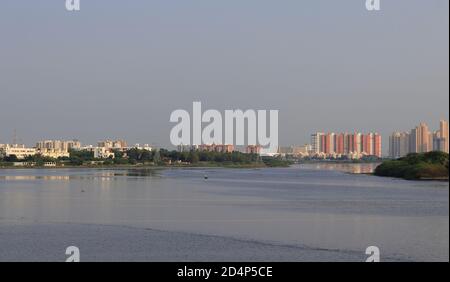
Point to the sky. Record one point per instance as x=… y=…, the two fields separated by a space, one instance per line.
x=117 y=69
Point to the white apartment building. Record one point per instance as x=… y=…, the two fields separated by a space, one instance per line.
x=109 y=144
x=315 y=142
x=399 y=145
x=53 y=153
x=18 y=150
x=100 y=152
x=59 y=145
x=146 y=147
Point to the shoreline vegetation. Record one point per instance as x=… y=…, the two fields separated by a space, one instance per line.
x=423 y=166
x=136 y=158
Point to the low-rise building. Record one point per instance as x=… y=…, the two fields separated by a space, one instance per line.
x=253 y=149
x=103 y=153
x=145 y=147
x=302 y=150
x=216 y=148
x=18 y=150
x=24 y=164
x=53 y=153
x=187 y=148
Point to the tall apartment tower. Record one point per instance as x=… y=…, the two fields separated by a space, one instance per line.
x=377 y=145
x=438 y=142
x=353 y=143
x=443 y=133
x=316 y=139
x=329 y=143
x=421 y=140
x=399 y=144
x=368 y=144
x=340 y=144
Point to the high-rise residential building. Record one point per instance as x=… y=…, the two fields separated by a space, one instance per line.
x=340 y=144
x=58 y=145
x=368 y=144
x=421 y=139
x=315 y=142
x=329 y=143
x=323 y=143
x=349 y=141
x=377 y=145
x=358 y=139
x=439 y=143
x=356 y=144
x=353 y=143
x=413 y=141
x=443 y=134
x=399 y=144
x=109 y=144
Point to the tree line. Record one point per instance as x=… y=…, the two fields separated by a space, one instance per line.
x=135 y=156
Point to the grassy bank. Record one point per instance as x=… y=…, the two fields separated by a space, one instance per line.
x=425 y=166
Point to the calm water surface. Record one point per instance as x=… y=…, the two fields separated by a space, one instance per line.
x=319 y=207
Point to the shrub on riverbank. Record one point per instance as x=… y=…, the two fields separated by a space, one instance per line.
x=275 y=162
x=432 y=165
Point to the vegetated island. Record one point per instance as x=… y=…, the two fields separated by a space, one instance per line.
x=423 y=166
x=144 y=158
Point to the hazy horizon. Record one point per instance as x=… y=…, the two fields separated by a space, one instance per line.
x=117 y=69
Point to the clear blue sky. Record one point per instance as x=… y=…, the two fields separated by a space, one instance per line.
x=119 y=68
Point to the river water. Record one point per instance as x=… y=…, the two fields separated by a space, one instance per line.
x=314 y=212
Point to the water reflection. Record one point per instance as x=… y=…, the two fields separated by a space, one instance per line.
x=367 y=168
x=35 y=177
x=97 y=174
x=139 y=172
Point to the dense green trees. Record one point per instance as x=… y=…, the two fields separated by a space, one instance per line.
x=432 y=165
x=39 y=160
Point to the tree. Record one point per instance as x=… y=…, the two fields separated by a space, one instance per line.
x=193 y=157
x=11 y=158
x=157 y=157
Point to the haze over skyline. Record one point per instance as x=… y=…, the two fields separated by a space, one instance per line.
x=117 y=69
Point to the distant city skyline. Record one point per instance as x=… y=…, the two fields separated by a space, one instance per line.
x=118 y=69
x=326 y=142
x=420 y=139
